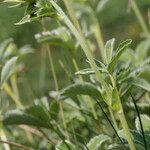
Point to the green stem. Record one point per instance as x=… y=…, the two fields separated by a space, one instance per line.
x=126 y=128
x=139 y=16
x=42 y=68
x=72 y=15
x=113 y=118
x=98 y=34
x=52 y=68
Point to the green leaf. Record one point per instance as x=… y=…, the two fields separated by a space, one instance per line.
x=137 y=138
x=4 y=46
x=38 y=112
x=19 y=117
x=109 y=50
x=142 y=84
x=8 y=70
x=59 y=37
x=145 y=122
x=27 y=19
x=37 y=10
x=62 y=146
x=26 y=50
x=122 y=47
x=81 y=89
x=101 y=5
x=97 y=142
x=141 y=50
x=15 y=3
x=117 y=147
x=89 y=71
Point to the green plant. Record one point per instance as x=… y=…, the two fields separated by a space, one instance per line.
x=90 y=113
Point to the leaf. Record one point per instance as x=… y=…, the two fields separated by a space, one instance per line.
x=137 y=138
x=18 y=117
x=122 y=47
x=101 y=5
x=96 y=142
x=89 y=71
x=117 y=147
x=98 y=63
x=4 y=46
x=37 y=10
x=26 y=50
x=62 y=146
x=59 y=37
x=26 y=19
x=38 y=112
x=8 y=70
x=142 y=49
x=81 y=89
x=145 y=122
x=14 y=3
x=142 y=84
x=109 y=50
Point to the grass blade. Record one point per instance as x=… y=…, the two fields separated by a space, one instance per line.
x=138 y=113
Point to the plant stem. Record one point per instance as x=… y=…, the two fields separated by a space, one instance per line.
x=89 y=56
x=98 y=34
x=72 y=15
x=42 y=68
x=52 y=67
x=113 y=118
x=15 y=145
x=110 y=123
x=126 y=128
x=139 y=16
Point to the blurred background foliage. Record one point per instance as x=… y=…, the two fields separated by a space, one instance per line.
x=117 y=20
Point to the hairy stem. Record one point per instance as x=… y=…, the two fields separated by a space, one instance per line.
x=72 y=14
x=113 y=118
x=98 y=35
x=126 y=129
